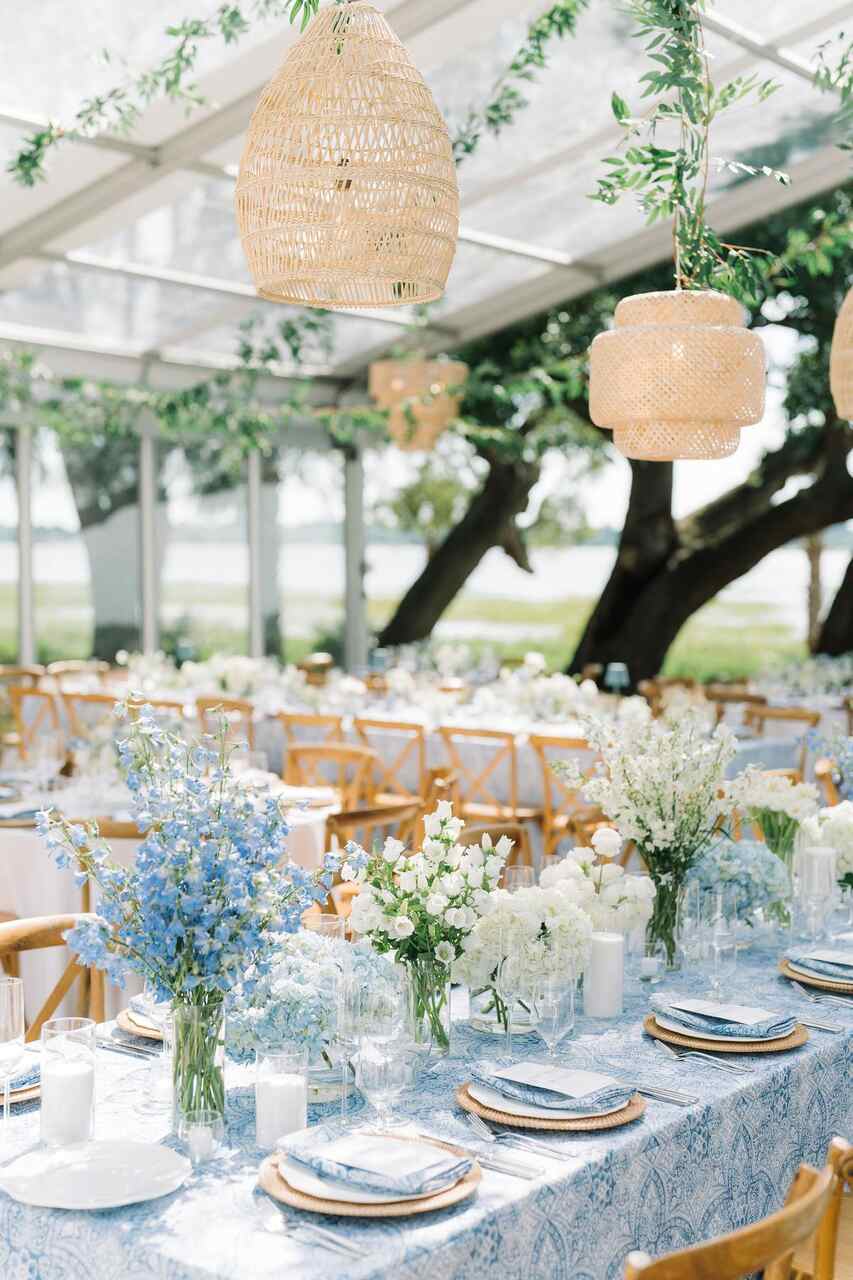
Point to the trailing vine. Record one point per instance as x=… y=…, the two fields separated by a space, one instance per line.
x=670 y=179
x=835 y=75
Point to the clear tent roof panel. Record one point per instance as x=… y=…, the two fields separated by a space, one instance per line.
x=530 y=185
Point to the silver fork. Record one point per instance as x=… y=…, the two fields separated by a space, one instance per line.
x=482 y=1130
x=825 y=998
x=734 y=1069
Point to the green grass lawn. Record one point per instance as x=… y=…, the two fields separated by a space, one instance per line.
x=723 y=639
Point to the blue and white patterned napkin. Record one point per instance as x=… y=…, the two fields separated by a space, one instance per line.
x=825 y=963
x=367 y=1162
x=27 y=1078
x=735 y=1022
x=554 y=1087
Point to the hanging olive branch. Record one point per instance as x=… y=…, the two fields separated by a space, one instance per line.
x=835 y=75
x=669 y=176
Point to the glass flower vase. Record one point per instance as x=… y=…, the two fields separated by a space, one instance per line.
x=664 y=927
x=428 y=997
x=198 y=1058
x=780 y=836
x=489 y=1013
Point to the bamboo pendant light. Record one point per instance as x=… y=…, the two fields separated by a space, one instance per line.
x=346 y=195
x=678 y=376
x=841 y=360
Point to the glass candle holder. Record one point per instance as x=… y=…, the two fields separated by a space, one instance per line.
x=281 y=1093
x=67 y=1081
x=202 y=1133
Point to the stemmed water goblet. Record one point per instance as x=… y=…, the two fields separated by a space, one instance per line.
x=553 y=1005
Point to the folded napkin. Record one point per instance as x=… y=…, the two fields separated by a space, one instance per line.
x=735 y=1022
x=14 y=813
x=825 y=963
x=27 y=1078
x=386 y=1165
x=554 y=1087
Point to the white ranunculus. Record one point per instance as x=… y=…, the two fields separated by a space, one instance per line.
x=607 y=842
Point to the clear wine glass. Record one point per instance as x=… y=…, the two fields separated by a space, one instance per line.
x=515 y=878
x=507 y=981
x=11 y=1036
x=817 y=883
x=47 y=755
x=553 y=1008
x=384 y=1069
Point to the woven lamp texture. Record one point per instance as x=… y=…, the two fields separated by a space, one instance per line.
x=677 y=377
x=422 y=398
x=347 y=195
x=841 y=360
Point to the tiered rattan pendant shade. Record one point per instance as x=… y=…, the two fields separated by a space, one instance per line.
x=422 y=397
x=841 y=360
x=347 y=191
x=677 y=377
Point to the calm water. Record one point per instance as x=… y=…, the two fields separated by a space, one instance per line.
x=779 y=581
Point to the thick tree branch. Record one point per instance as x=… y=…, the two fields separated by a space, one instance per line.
x=836 y=632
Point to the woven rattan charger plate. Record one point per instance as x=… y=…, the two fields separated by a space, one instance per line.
x=588 y=1124
x=271 y=1180
x=798 y=1037
x=29 y=1094
x=840 y=988
x=124 y=1020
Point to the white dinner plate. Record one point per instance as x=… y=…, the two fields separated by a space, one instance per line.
x=669 y=1024
x=329 y=1189
x=144 y=1023
x=491 y=1098
x=95 y=1175
x=807 y=973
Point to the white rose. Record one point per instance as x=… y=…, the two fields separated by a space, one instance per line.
x=607 y=842
x=393 y=849
x=402 y=927
x=435 y=904
x=408 y=881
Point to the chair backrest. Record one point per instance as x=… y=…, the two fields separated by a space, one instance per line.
x=317 y=667
x=561 y=801
x=41 y=932
x=28 y=677
x=237 y=711
x=36 y=711
x=370 y=824
x=758 y=718
x=483 y=760
x=520 y=855
x=72 y=669
x=401 y=752
x=767 y=1246
x=88 y=711
x=337 y=764
x=172 y=708
x=302 y=728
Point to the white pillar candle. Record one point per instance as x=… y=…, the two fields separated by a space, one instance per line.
x=200 y=1142
x=281 y=1107
x=67 y=1101
x=602 y=980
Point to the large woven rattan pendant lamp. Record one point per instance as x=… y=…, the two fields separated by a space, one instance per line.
x=347 y=195
x=677 y=377
x=841 y=360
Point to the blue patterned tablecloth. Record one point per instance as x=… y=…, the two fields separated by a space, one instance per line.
x=674 y=1177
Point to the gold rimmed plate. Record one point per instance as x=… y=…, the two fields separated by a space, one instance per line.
x=799 y=1036
x=584 y=1124
x=272 y=1179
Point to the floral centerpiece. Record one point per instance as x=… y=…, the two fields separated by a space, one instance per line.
x=205 y=899
x=531 y=693
x=543 y=931
x=752 y=869
x=834 y=827
x=422 y=905
x=615 y=902
x=662 y=785
x=296 y=998
x=837 y=747
x=775 y=804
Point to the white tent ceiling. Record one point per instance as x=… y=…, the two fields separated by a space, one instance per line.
x=128 y=255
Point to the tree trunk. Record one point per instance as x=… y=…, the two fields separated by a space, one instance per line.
x=488 y=522
x=814 y=548
x=708 y=551
x=836 y=634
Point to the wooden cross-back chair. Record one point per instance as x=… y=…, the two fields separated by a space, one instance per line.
x=477 y=781
x=301 y=728
x=736 y=697
x=337 y=764
x=758 y=718
x=172 y=707
x=36 y=934
x=35 y=711
x=70 y=669
x=406 y=747
x=520 y=855
x=237 y=711
x=830 y=1251
x=26 y=677
x=369 y=826
x=767 y=1246
x=564 y=809
x=88 y=711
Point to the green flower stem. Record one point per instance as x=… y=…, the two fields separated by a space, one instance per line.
x=197 y=1073
x=663 y=923
x=430 y=994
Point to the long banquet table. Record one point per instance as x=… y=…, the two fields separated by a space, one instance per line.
x=671 y=1178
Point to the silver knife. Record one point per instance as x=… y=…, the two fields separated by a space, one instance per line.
x=821 y=1026
x=129 y=1050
